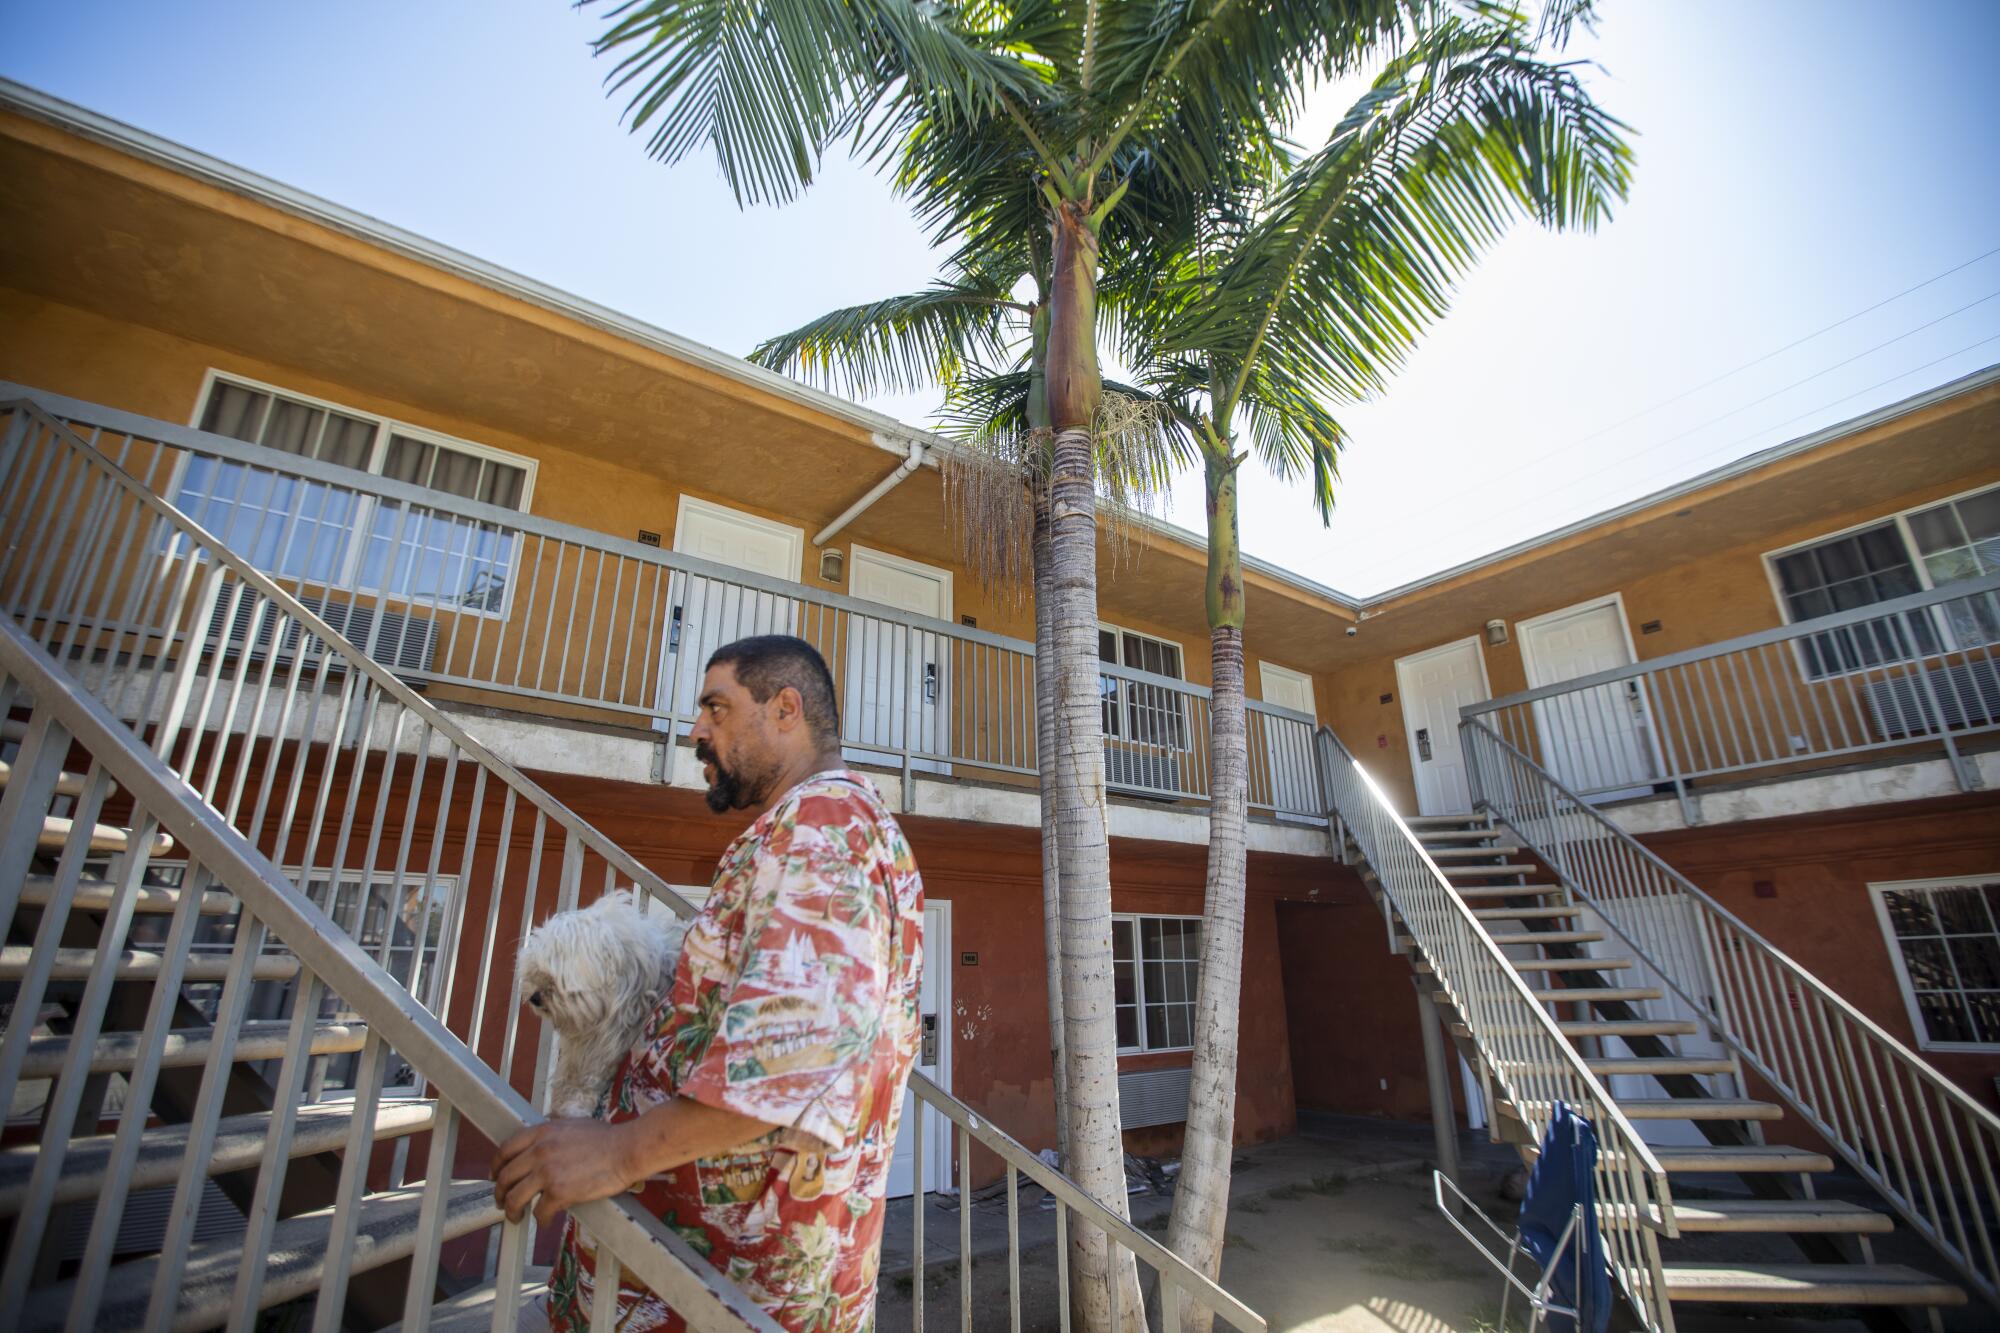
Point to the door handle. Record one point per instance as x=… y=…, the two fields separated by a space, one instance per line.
x=1424 y=744
x=674 y=631
x=928 y=1047
x=930 y=682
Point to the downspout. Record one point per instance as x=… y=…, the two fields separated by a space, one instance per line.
x=880 y=489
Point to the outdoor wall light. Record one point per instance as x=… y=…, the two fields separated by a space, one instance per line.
x=1496 y=632
x=830 y=564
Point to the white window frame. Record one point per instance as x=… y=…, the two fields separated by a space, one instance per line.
x=1186 y=745
x=1139 y=980
x=1901 y=519
x=349 y=575
x=1878 y=893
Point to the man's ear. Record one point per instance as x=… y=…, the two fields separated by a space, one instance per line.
x=788 y=708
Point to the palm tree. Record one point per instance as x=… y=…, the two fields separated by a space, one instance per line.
x=1038 y=117
x=1307 y=288
x=1060 y=129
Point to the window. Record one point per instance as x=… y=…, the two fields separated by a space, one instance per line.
x=322 y=534
x=1932 y=547
x=1135 y=710
x=1944 y=936
x=1156 y=961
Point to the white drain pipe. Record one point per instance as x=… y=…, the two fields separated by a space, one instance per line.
x=880 y=489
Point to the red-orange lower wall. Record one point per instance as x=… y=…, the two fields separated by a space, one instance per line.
x=1351 y=1007
x=1803 y=883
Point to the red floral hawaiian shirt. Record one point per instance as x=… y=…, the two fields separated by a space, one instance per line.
x=795 y=1002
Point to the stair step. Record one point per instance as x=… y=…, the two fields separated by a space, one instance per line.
x=239 y=1144
x=1549 y=937
x=1404 y=943
x=94 y=895
x=1594 y=994
x=1524 y=913
x=1628 y=1027
x=1504 y=849
x=1470 y=891
x=75 y=965
x=1661 y=1064
x=1570 y=964
x=1820 y=1216
x=1747 y=1157
x=1487 y=872
x=118 y=1052
x=472 y=1311
x=1808 y=1284
x=67 y=784
x=104 y=838
x=1448 y=821
x=387 y=1231
x=1699 y=1108
x=1448 y=836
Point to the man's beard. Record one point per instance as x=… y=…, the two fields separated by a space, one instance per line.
x=729 y=791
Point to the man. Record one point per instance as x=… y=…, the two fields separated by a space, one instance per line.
x=760 y=1121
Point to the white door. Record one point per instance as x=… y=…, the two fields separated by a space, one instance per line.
x=704 y=613
x=1595 y=741
x=1434 y=685
x=1288 y=747
x=933 y=1061
x=895 y=683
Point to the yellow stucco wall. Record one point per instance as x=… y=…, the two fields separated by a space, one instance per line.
x=1700 y=600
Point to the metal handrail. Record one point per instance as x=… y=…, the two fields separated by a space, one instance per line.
x=594 y=621
x=642 y=1245
x=1912 y=672
x=94 y=505
x=1521 y=1050
x=1916 y=1136
x=1798 y=629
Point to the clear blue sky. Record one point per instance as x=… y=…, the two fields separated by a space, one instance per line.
x=1798 y=161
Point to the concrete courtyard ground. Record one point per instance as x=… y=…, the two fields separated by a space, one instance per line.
x=1332 y=1231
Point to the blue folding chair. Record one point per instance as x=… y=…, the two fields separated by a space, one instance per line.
x=1558 y=1229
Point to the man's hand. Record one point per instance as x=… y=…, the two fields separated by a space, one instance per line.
x=566 y=1162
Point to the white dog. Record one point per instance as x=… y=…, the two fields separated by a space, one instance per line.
x=595 y=975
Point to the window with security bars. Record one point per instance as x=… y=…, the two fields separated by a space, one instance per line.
x=1156 y=963
x=1952 y=541
x=1135 y=710
x=1944 y=936
x=296 y=528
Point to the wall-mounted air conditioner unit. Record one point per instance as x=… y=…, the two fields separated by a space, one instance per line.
x=1967 y=695
x=1153 y=1097
x=403 y=643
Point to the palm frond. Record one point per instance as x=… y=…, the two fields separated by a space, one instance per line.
x=1358 y=251
x=903 y=344
x=767 y=86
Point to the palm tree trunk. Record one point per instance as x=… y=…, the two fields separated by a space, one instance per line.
x=1201 y=1198
x=1045 y=750
x=1097 y=1154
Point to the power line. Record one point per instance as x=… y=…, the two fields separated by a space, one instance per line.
x=1585 y=476
x=1360 y=576
x=1796 y=342
x=1534 y=460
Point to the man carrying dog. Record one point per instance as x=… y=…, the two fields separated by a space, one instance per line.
x=760 y=1121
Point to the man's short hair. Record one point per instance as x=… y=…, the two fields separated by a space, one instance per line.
x=767 y=663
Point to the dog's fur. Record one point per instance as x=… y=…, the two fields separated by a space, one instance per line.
x=595 y=975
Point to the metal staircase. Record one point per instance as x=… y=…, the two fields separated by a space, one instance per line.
x=1683 y=1086
x=262 y=903
x=1753 y=1187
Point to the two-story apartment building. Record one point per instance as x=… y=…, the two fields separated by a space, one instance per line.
x=544 y=514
